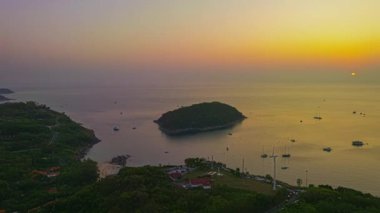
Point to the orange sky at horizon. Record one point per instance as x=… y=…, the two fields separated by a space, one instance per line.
x=275 y=33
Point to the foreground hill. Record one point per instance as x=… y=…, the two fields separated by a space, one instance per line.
x=327 y=199
x=199 y=118
x=148 y=189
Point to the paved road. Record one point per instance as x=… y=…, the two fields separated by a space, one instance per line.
x=294 y=198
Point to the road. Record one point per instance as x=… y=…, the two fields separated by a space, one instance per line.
x=293 y=199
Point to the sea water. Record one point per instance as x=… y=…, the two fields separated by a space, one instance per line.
x=277 y=112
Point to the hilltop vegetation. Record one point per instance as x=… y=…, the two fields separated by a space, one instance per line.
x=39 y=156
x=327 y=199
x=148 y=189
x=199 y=118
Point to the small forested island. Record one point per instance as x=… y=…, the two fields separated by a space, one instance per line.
x=4 y=91
x=199 y=118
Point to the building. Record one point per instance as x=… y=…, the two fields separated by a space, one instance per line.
x=205 y=183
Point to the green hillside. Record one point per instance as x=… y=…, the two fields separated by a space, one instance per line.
x=39 y=155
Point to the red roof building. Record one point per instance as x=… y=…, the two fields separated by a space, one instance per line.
x=205 y=183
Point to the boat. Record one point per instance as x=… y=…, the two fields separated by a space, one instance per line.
x=134 y=128
x=318 y=116
x=327 y=149
x=230 y=133
x=293 y=140
x=116 y=129
x=286 y=155
x=357 y=143
x=263 y=155
x=284 y=167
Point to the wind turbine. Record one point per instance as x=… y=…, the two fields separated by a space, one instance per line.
x=274 y=169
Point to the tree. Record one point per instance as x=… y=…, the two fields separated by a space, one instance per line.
x=299 y=182
x=4 y=189
x=79 y=174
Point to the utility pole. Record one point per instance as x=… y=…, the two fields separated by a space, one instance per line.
x=212 y=162
x=306 y=178
x=226 y=156
x=242 y=167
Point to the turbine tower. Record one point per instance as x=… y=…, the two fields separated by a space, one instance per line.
x=274 y=169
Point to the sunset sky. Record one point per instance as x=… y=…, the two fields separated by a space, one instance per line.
x=197 y=34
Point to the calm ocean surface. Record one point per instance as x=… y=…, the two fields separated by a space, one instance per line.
x=274 y=111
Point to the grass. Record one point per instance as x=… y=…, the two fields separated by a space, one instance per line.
x=234 y=181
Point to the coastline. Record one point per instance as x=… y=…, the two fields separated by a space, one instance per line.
x=106 y=169
x=190 y=131
x=154 y=137
x=84 y=151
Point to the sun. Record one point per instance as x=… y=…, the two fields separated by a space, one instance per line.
x=353 y=74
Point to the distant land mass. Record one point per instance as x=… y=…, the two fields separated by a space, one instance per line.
x=4 y=91
x=200 y=117
x=3 y=98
